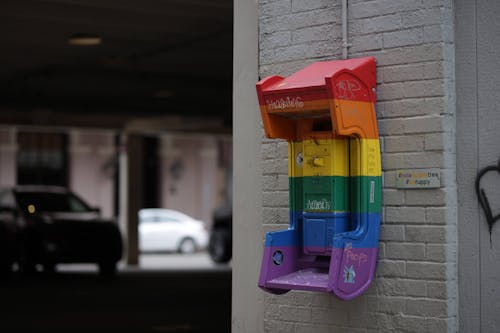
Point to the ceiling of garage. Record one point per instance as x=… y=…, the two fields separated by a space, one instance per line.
x=157 y=58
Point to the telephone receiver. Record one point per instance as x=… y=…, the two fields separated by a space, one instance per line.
x=483 y=199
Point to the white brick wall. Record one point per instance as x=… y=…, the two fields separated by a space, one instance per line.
x=415 y=287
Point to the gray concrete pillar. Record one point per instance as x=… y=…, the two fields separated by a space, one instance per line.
x=134 y=195
x=247 y=307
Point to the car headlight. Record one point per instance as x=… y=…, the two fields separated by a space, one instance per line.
x=47 y=219
x=50 y=247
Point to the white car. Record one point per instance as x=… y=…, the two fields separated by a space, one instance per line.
x=170 y=230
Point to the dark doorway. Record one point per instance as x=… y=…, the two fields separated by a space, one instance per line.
x=42 y=159
x=150 y=169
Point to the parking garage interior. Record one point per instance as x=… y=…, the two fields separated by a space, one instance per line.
x=128 y=104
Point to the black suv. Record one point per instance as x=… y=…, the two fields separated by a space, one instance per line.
x=221 y=237
x=45 y=225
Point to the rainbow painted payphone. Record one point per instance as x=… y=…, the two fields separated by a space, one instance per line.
x=326 y=112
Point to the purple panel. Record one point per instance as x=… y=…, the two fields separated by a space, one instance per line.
x=271 y=268
x=311 y=279
x=318 y=250
x=352 y=270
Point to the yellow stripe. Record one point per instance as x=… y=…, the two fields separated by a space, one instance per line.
x=294 y=153
x=321 y=157
x=370 y=150
x=330 y=157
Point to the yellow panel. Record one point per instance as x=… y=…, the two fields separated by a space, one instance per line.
x=295 y=157
x=325 y=157
x=315 y=158
x=370 y=164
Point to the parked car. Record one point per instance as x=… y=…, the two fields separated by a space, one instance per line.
x=45 y=225
x=221 y=237
x=169 y=230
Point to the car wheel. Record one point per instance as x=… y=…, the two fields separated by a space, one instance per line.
x=5 y=269
x=219 y=246
x=49 y=268
x=27 y=264
x=6 y=251
x=187 y=245
x=107 y=268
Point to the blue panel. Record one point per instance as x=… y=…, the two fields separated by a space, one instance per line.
x=295 y=219
x=365 y=234
x=319 y=230
x=315 y=236
x=365 y=230
x=282 y=238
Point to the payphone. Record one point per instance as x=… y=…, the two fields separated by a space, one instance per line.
x=326 y=112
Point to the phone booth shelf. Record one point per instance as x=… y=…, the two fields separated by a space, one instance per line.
x=326 y=112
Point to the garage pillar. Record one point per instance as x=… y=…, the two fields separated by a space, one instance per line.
x=8 y=160
x=133 y=195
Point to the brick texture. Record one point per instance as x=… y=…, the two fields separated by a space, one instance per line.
x=413 y=44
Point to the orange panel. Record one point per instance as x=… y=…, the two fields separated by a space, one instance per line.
x=354 y=118
x=322 y=101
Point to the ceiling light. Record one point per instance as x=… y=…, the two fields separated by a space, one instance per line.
x=163 y=93
x=83 y=39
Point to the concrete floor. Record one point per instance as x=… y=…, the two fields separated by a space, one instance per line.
x=200 y=260
x=158 y=261
x=171 y=293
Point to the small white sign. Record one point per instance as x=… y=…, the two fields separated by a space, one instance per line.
x=418 y=178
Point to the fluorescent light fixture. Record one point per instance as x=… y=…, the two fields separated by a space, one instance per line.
x=84 y=39
x=163 y=93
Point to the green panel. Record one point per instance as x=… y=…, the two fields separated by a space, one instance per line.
x=325 y=194
x=295 y=186
x=319 y=194
x=366 y=194
x=330 y=193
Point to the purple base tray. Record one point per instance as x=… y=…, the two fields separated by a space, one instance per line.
x=347 y=273
x=313 y=279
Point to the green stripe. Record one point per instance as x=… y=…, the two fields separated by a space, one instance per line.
x=295 y=190
x=329 y=193
x=365 y=197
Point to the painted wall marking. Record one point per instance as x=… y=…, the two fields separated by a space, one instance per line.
x=322 y=204
x=358 y=258
x=285 y=103
x=418 y=178
x=347 y=89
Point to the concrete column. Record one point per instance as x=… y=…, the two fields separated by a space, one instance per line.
x=134 y=195
x=8 y=157
x=247 y=311
x=123 y=188
x=208 y=170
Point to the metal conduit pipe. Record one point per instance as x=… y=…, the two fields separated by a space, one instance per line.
x=345 y=45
